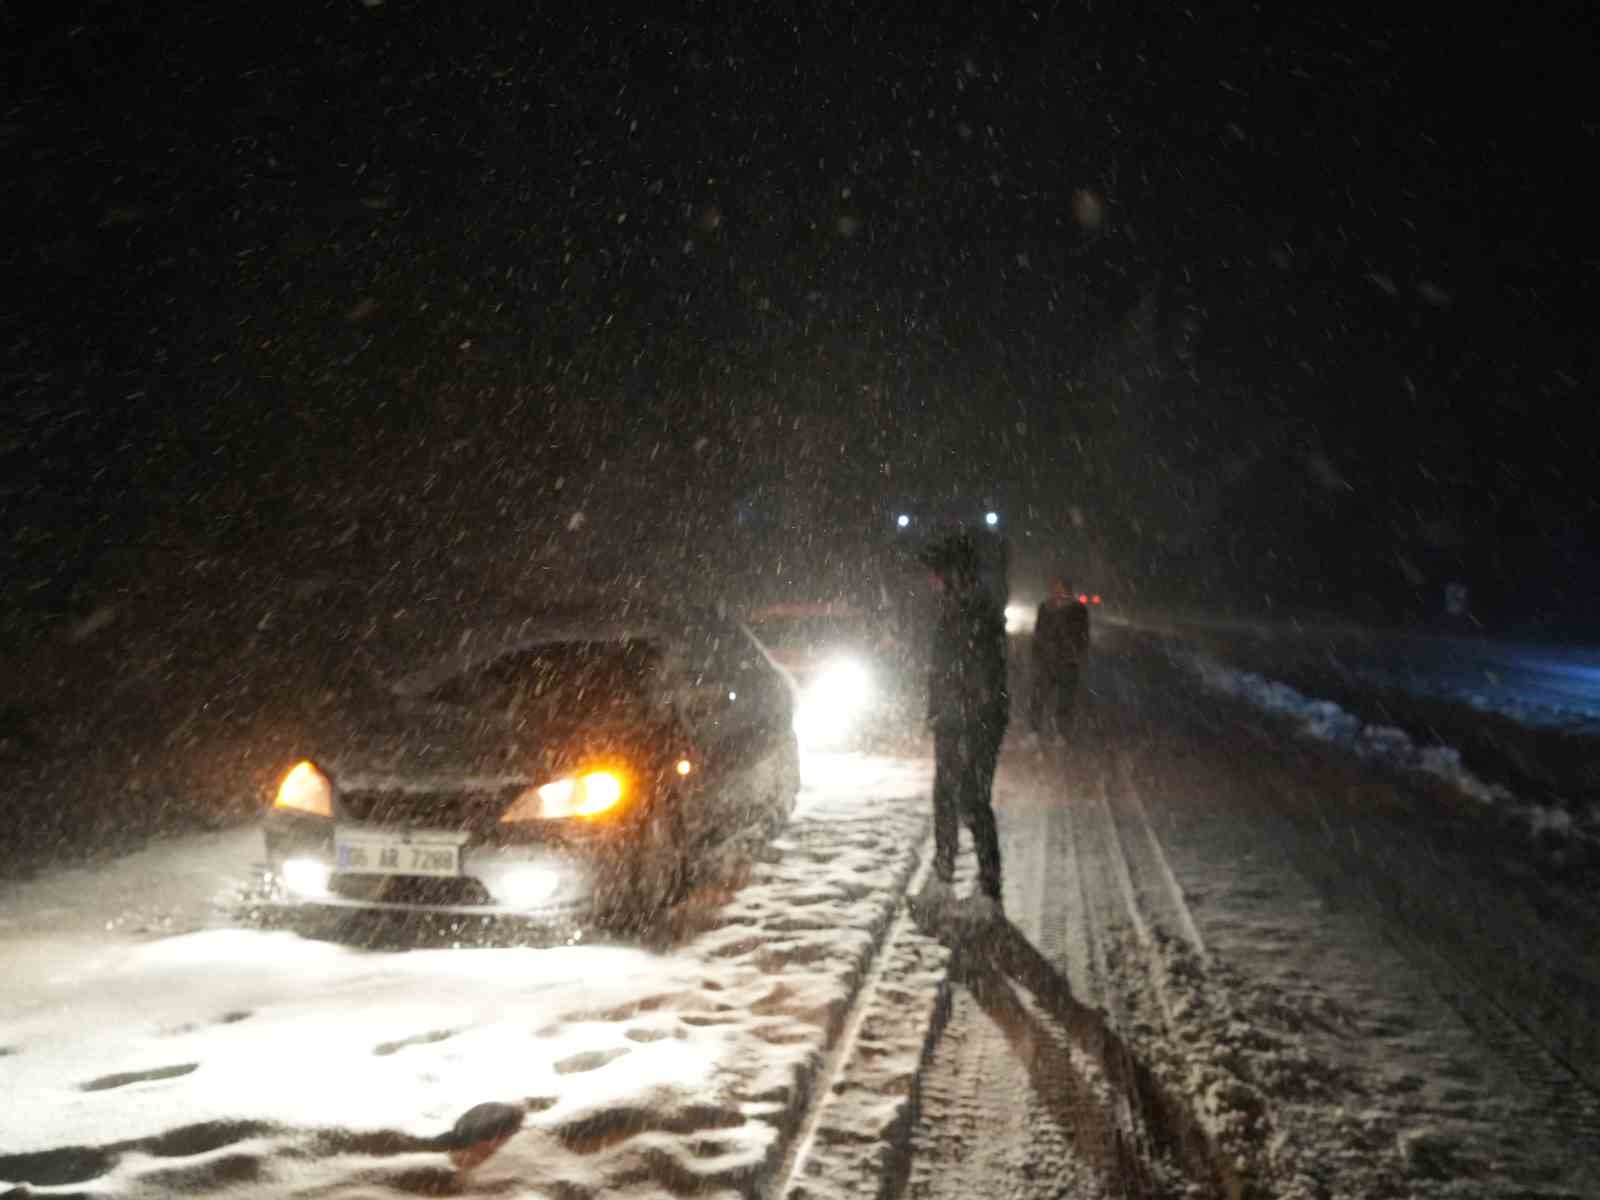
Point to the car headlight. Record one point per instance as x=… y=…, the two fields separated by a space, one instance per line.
x=843 y=683
x=305 y=789
x=306 y=877
x=1019 y=618
x=586 y=795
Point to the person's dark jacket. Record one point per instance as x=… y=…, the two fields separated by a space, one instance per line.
x=967 y=666
x=1061 y=634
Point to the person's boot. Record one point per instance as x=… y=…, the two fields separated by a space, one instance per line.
x=936 y=894
x=986 y=902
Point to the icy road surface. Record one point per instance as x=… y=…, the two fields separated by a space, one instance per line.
x=1242 y=960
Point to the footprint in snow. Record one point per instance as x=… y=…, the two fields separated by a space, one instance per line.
x=106 y=1082
x=383 y=1049
x=592 y=1060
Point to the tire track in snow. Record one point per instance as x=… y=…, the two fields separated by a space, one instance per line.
x=806 y=1169
x=1178 y=903
x=982 y=1130
x=1033 y=1092
x=1116 y=883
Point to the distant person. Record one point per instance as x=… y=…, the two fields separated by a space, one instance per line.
x=968 y=709
x=1060 y=650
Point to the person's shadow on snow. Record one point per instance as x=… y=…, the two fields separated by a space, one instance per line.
x=1114 y=1109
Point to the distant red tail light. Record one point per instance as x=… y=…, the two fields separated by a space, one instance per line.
x=1094 y=600
x=1082 y=598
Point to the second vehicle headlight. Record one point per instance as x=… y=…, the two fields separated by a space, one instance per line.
x=585 y=795
x=843 y=683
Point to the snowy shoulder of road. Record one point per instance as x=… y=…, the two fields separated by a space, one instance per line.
x=1389 y=745
x=149 y=1047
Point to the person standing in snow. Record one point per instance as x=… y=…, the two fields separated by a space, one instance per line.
x=969 y=707
x=1059 y=650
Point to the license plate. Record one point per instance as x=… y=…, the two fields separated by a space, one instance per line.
x=398 y=853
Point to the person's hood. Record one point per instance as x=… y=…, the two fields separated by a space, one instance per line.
x=953 y=557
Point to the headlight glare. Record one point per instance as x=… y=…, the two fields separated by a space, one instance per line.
x=844 y=683
x=305 y=789
x=599 y=790
x=834 y=702
x=305 y=877
x=557 y=796
x=585 y=795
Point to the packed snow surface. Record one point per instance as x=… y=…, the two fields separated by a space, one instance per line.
x=148 y=1048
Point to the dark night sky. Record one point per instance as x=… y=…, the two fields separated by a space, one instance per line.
x=1245 y=307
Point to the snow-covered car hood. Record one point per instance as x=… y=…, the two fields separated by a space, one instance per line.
x=513 y=704
x=399 y=744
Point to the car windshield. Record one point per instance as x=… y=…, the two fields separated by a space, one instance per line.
x=582 y=679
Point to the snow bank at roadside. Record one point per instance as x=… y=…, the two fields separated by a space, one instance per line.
x=1386 y=744
x=232 y=1061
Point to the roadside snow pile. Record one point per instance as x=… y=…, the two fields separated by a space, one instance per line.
x=1326 y=721
x=235 y=1061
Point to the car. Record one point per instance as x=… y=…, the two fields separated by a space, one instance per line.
x=848 y=664
x=577 y=763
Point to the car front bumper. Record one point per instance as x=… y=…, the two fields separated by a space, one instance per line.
x=511 y=876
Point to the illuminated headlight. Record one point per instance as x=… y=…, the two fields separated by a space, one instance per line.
x=305 y=789
x=833 y=701
x=528 y=887
x=1019 y=618
x=843 y=682
x=305 y=877
x=586 y=795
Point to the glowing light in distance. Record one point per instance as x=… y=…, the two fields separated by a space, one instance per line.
x=1019 y=618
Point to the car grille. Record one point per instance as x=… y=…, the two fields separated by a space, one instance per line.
x=465 y=810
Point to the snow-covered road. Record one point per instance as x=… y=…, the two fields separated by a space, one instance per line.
x=1321 y=974
x=149 y=1046
x=1241 y=961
